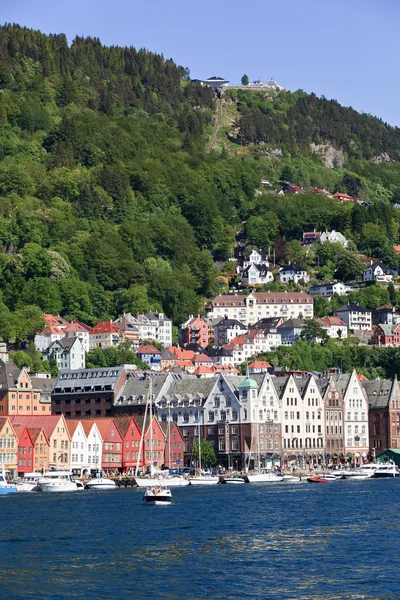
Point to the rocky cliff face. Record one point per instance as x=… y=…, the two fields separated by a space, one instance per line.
x=330 y=156
x=382 y=158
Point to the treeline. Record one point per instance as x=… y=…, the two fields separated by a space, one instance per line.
x=294 y=121
x=345 y=356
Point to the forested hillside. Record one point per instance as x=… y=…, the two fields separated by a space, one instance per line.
x=110 y=203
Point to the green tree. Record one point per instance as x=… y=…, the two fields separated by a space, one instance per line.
x=313 y=331
x=245 y=80
x=208 y=457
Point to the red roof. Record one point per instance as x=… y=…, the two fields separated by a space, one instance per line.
x=204 y=370
x=53 y=329
x=104 y=327
x=259 y=364
x=72 y=424
x=182 y=354
x=397 y=249
x=148 y=350
x=48 y=422
x=329 y=321
x=55 y=321
x=202 y=358
x=225 y=369
x=340 y=195
x=77 y=327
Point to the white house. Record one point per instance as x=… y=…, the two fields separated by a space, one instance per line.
x=257 y=275
x=290 y=331
x=356 y=317
x=150 y=326
x=94 y=445
x=328 y=289
x=104 y=335
x=256 y=258
x=79 y=447
x=68 y=353
x=293 y=272
x=80 y=331
x=255 y=342
x=334 y=237
x=227 y=329
x=355 y=416
x=48 y=336
x=380 y=272
x=334 y=327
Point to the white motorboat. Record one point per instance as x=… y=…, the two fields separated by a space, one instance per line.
x=5 y=486
x=234 y=479
x=204 y=480
x=265 y=476
x=329 y=476
x=175 y=481
x=385 y=471
x=59 y=481
x=364 y=472
x=100 y=483
x=29 y=483
x=157 y=495
x=292 y=479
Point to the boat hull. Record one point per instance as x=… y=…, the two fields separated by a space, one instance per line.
x=54 y=487
x=264 y=478
x=27 y=487
x=317 y=480
x=204 y=481
x=291 y=479
x=234 y=480
x=157 y=496
x=10 y=489
x=101 y=484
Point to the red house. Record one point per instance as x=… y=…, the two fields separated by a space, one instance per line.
x=195 y=331
x=111 y=458
x=386 y=335
x=158 y=442
x=131 y=434
x=26 y=446
x=174 y=447
x=343 y=197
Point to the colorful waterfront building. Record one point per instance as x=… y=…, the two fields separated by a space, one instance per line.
x=8 y=447
x=26 y=448
x=173 y=446
x=22 y=393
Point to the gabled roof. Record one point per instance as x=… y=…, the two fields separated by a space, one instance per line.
x=104 y=327
x=72 y=424
x=229 y=323
x=148 y=350
x=292 y=324
x=387 y=329
x=123 y=424
x=34 y=432
x=47 y=422
x=341 y=195
x=52 y=330
x=259 y=364
x=378 y=392
x=292 y=267
x=204 y=370
x=55 y=320
x=201 y=358
x=65 y=343
x=331 y=321
x=351 y=308
x=72 y=327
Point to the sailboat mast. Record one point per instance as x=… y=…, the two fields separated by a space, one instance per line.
x=200 y=444
x=151 y=423
x=142 y=440
x=169 y=434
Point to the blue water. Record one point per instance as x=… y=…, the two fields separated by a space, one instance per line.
x=331 y=541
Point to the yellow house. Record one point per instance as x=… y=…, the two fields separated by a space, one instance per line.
x=8 y=447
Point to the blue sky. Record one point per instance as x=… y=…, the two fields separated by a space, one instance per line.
x=343 y=49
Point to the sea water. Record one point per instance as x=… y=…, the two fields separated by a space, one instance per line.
x=300 y=541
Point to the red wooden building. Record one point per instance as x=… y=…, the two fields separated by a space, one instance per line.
x=26 y=448
x=386 y=335
x=174 y=446
x=111 y=458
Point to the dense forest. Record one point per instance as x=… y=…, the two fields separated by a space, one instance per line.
x=109 y=201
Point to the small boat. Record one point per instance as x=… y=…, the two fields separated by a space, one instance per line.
x=235 y=479
x=59 y=481
x=317 y=479
x=29 y=483
x=360 y=473
x=100 y=483
x=292 y=479
x=329 y=476
x=204 y=480
x=265 y=476
x=157 y=495
x=5 y=487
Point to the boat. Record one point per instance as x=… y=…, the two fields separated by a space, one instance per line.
x=100 y=483
x=234 y=479
x=385 y=471
x=317 y=479
x=204 y=479
x=292 y=479
x=29 y=482
x=265 y=476
x=59 y=481
x=157 y=495
x=174 y=481
x=329 y=476
x=5 y=486
x=364 y=472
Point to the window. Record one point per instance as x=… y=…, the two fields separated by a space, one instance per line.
x=221 y=444
x=211 y=415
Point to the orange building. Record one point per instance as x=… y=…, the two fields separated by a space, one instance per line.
x=194 y=331
x=23 y=394
x=57 y=434
x=8 y=446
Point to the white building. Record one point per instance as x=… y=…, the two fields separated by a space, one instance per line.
x=356 y=435
x=69 y=353
x=151 y=326
x=334 y=237
x=380 y=272
x=356 y=317
x=227 y=329
x=94 y=445
x=293 y=272
x=79 y=451
x=257 y=275
x=255 y=342
x=104 y=335
x=259 y=305
x=302 y=417
x=256 y=258
x=328 y=289
x=48 y=336
x=80 y=331
x=334 y=327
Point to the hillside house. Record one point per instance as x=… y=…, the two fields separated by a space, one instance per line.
x=68 y=353
x=386 y=335
x=380 y=272
x=227 y=329
x=356 y=317
x=293 y=272
x=194 y=331
x=150 y=355
x=104 y=335
x=334 y=237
